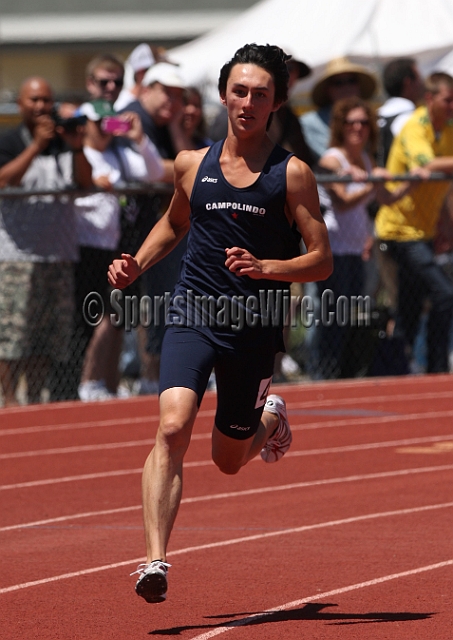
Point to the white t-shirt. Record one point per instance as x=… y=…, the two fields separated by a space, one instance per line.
x=98 y=214
x=125 y=98
x=41 y=228
x=402 y=108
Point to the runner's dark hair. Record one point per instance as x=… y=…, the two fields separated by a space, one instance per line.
x=268 y=57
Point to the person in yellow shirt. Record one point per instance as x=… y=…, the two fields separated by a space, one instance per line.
x=407 y=227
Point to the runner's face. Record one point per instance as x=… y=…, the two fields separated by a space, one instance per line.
x=249 y=97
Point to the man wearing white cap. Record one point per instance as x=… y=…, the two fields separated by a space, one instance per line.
x=137 y=64
x=159 y=106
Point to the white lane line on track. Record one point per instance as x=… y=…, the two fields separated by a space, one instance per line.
x=91 y=424
x=352 y=421
x=79 y=425
x=373 y=383
x=77 y=449
x=370 y=445
x=238 y=494
x=74 y=516
x=84 y=476
x=151 y=441
x=187 y=465
x=358 y=400
x=327 y=594
x=371 y=420
x=207 y=413
x=233 y=541
x=91 y=447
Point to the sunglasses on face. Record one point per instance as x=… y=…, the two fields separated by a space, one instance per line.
x=343 y=82
x=362 y=123
x=118 y=82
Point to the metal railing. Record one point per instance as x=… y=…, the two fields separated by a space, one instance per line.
x=369 y=344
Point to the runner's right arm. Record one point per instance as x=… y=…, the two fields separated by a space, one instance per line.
x=167 y=232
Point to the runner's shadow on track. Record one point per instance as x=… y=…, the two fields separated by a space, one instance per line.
x=311 y=611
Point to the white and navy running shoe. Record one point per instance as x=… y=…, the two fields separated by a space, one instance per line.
x=152 y=582
x=279 y=442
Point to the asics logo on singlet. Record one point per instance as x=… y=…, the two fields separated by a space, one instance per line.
x=207 y=179
x=238 y=428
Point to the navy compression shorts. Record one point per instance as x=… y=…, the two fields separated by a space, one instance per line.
x=243 y=376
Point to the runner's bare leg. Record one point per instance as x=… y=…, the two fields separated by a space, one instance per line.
x=230 y=454
x=162 y=474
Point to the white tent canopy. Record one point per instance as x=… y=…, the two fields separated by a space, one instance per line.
x=367 y=31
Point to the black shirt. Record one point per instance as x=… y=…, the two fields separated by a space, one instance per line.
x=13 y=142
x=159 y=135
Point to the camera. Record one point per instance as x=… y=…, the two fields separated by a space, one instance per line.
x=111 y=124
x=68 y=124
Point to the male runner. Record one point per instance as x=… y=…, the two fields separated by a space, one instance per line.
x=242 y=202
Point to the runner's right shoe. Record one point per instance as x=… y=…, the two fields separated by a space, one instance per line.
x=279 y=442
x=152 y=582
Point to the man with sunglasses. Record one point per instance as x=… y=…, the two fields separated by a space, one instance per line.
x=159 y=106
x=105 y=78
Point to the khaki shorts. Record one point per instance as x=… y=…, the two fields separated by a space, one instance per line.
x=36 y=309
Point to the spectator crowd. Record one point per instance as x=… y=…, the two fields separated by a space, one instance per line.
x=391 y=239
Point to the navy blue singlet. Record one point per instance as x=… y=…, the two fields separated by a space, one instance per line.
x=222 y=216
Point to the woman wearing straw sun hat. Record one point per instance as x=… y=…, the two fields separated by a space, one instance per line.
x=340 y=79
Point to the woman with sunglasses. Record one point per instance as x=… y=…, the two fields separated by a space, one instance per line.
x=353 y=140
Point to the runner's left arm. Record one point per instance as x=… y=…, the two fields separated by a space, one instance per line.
x=302 y=207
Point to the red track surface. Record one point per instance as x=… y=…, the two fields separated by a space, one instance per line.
x=348 y=537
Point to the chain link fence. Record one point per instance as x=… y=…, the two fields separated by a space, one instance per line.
x=52 y=307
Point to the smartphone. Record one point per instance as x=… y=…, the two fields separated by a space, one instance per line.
x=112 y=124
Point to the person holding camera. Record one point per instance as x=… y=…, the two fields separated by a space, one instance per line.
x=120 y=153
x=38 y=242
